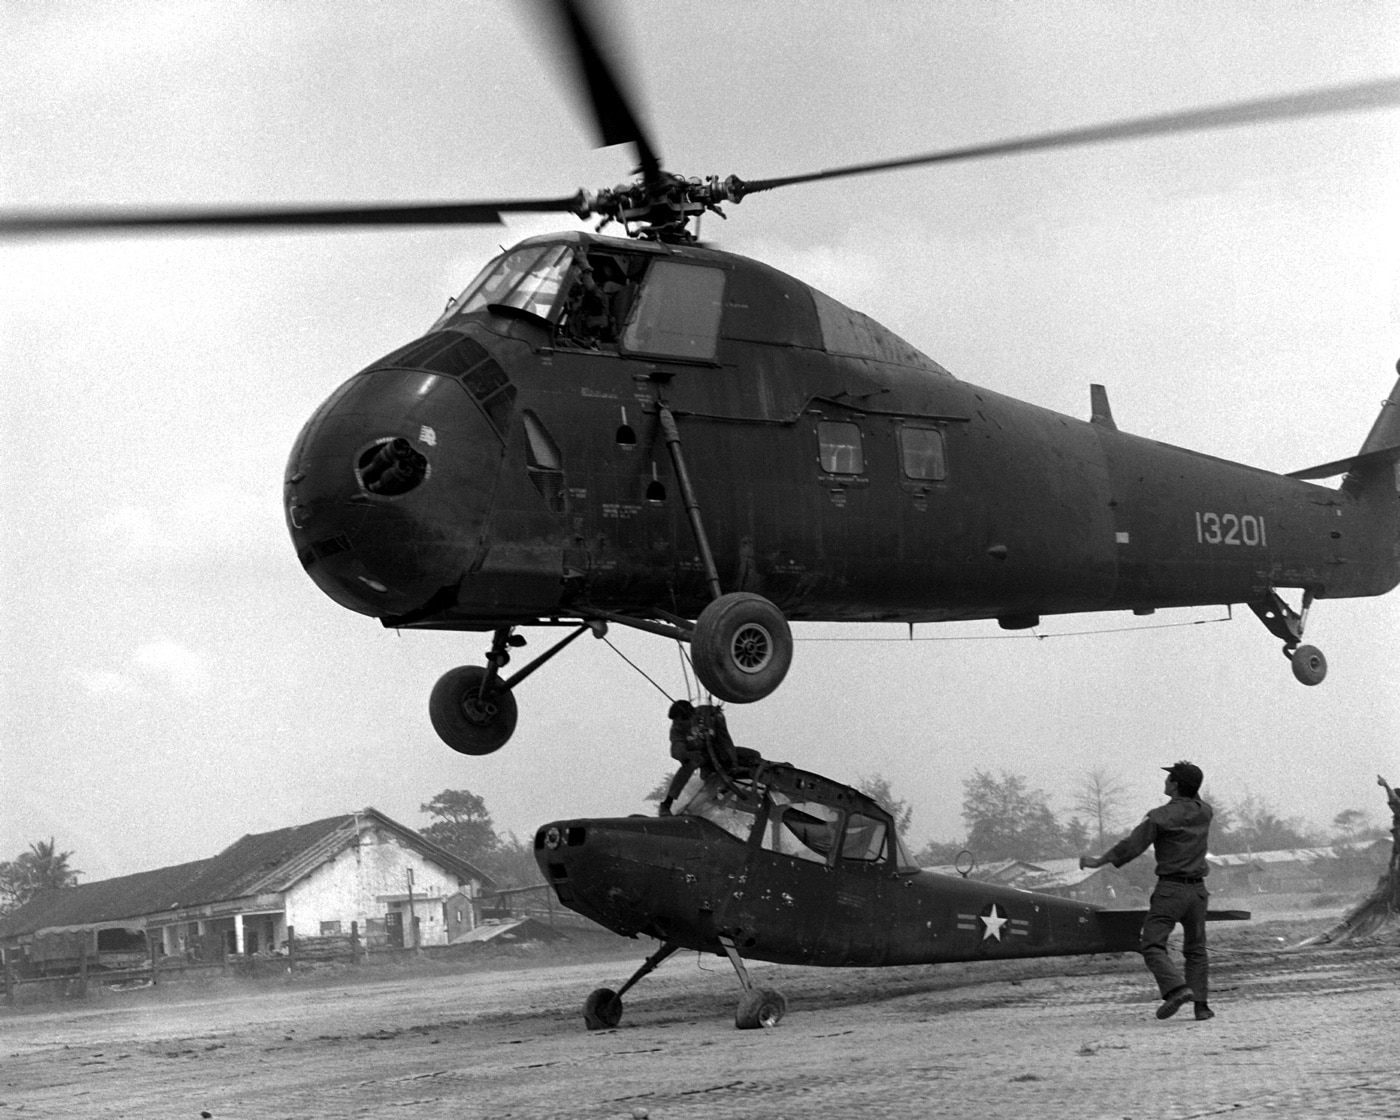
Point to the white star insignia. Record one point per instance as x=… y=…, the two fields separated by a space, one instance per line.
x=993 y=921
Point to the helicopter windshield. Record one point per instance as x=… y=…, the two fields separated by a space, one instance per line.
x=529 y=279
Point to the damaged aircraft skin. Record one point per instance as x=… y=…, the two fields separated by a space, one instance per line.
x=786 y=866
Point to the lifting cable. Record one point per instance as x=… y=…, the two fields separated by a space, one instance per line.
x=635 y=666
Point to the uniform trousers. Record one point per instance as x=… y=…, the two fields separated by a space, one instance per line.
x=1174 y=902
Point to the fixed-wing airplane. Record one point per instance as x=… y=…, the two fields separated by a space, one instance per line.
x=768 y=862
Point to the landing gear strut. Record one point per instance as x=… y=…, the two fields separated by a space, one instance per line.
x=602 y=1010
x=473 y=710
x=758 y=1007
x=1283 y=622
x=742 y=644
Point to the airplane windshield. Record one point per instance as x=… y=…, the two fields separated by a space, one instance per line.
x=530 y=279
x=795 y=822
x=733 y=805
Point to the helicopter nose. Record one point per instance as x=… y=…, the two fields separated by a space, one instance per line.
x=390 y=483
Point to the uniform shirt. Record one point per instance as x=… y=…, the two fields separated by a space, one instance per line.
x=1179 y=831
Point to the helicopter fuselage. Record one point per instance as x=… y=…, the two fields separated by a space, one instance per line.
x=837 y=471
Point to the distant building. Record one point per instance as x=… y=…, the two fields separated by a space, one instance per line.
x=1103 y=886
x=361 y=872
x=1338 y=867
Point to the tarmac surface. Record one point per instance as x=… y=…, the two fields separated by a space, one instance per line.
x=1298 y=1033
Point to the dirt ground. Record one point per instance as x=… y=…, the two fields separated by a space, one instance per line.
x=1309 y=1033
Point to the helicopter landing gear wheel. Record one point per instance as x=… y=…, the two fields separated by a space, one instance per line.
x=467 y=721
x=1309 y=666
x=602 y=1010
x=742 y=647
x=760 y=1008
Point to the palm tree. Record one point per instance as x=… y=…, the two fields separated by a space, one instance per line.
x=42 y=867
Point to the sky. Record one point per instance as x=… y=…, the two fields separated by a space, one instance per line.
x=171 y=678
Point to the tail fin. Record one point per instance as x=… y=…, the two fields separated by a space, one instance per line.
x=1381 y=447
x=1385 y=432
x=1380 y=451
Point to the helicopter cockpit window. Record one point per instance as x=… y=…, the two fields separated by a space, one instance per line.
x=528 y=279
x=864 y=839
x=601 y=294
x=922 y=453
x=805 y=829
x=840 y=450
x=677 y=312
x=731 y=805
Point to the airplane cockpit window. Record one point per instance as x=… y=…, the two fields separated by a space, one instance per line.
x=864 y=839
x=677 y=312
x=733 y=805
x=529 y=279
x=805 y=829
x=839 y=447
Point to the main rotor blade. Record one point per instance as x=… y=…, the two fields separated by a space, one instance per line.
x=291 y=217
x=1314 y=103
x=612 y=110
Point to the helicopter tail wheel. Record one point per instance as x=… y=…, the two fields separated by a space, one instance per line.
x=465 y=720
x=760 y=1008
x=742 y=647
x=602 y=1010
x=1309 y=666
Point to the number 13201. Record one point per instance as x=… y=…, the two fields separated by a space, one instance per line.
x=1231 y=528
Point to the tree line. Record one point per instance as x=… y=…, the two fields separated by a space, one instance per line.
x=1005 y=818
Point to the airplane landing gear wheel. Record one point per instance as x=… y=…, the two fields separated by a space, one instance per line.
x=760 y=1008
x=742 y=647
x=602 y=1010
x=465 y=720
x=1309 y=666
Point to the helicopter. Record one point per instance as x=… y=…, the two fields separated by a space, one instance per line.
x=560 y=450
x=764 y=861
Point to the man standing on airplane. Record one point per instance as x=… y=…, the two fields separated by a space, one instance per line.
x=1179 y=831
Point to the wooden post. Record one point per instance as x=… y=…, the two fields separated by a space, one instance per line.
x=291 y=949
x=155 y=958
x=82 y=965
x=354 y=942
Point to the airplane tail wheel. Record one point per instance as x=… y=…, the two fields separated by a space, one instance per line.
x=760 y=1008
x=464 y=720
x=742 y=647
x=1309 y=666
x=602 y=1010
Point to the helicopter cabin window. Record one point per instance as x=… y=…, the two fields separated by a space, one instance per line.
x=840 y=450
x=864 y=840
x=677 y=312
x=922 y=452
x=805 y=829
x=528 y=279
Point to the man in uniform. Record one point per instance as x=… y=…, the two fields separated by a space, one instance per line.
x=1178 y=831
x=699 y=740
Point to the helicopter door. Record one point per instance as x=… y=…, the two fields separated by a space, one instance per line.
x=848 y=534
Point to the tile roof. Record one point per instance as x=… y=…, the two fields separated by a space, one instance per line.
x=259 y=863
x=105 y=900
